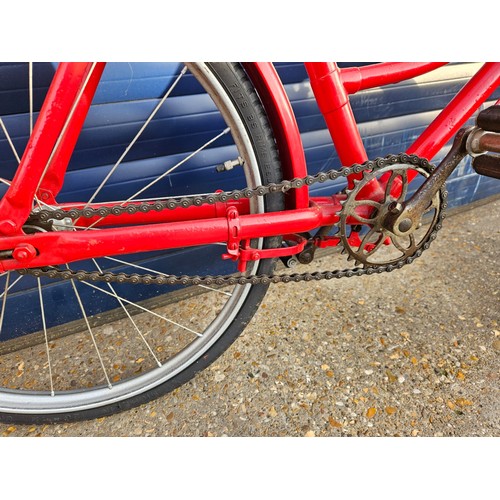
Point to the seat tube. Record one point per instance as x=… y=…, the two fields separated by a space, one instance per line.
x=333 y=102
x=16 y=205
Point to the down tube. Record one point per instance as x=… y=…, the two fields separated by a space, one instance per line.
x=458 y=111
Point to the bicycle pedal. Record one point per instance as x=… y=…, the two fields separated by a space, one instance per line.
x=484 y=143
x=488 y=165
x=489 y=119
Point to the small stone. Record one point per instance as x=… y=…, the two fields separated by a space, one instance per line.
x=416 y=391
x=273 y=412
x=312 y=396
x=334 y=422
x=219 y=377
x=368 y=372
x=496 y=345
x=310 y=434
x=401 y=379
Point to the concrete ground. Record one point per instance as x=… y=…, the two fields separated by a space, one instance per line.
x=409 y=353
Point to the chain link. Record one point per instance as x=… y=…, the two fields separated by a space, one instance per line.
x=185 y=202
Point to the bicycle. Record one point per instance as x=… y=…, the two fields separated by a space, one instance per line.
x=213 y=253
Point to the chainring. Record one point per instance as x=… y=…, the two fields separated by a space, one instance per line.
x=375 y=245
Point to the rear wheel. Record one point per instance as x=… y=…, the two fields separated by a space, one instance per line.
x=75 y=350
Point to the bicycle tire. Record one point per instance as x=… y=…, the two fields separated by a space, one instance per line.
x=239 y=104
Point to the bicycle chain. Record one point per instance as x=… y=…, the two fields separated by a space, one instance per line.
x=185 y=202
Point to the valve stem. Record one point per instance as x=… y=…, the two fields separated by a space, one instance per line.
x=230 y=164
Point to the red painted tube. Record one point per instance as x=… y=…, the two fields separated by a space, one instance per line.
x=458 y=111
x=16 y=205
x=66 y=246
x=376 y=75
x=334 y=105
x=54 y=177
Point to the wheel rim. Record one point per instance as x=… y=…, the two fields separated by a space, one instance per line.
x=53 y=400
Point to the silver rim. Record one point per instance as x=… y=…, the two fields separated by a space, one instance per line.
x=109 y=391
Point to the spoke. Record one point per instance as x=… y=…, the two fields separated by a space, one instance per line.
x=377 y=246
x=390 y=182
x=129 y=316
x=42 y=309
x=142 y=308
x=90 y=330
x=12 y=285
x=399 y=246
x=134 y=140
x=361 y=219
x=9 y=140
x=4 y=302
x=370 y=203
x=176 y=166
x=404 y=189
x=30 y=78
x=167 y=275
x=5 y=181
x=366 y=239
x=170 y=170
x=402 y=184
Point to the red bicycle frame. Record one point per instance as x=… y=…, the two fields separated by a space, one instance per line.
x=43 y=165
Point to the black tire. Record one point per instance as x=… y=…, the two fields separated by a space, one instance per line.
x=241 y=93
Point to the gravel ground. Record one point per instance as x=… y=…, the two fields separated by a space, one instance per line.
x=410 y=353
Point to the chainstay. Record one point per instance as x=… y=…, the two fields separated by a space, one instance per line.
x=185 y=202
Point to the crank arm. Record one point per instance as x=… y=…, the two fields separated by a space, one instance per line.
x=404 y=218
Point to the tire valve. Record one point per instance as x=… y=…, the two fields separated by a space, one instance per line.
x=230 y=164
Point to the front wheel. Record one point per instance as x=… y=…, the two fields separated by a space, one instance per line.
x=73 y=350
